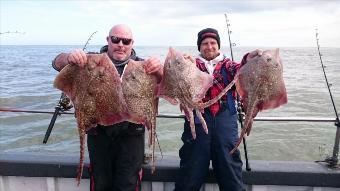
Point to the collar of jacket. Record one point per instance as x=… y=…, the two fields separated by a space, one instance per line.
x=210 y=65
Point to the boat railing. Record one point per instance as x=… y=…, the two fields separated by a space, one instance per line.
x=284 y=119
x=332 y=161
x=181 y=116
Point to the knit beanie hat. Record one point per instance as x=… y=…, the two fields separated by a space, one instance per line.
x=205 y=33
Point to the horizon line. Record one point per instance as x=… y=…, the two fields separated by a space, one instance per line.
x=225 y=46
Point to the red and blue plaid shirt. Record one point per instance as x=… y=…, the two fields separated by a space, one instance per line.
x=231 y=68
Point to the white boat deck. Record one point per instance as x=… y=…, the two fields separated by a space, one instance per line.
x=32 y=172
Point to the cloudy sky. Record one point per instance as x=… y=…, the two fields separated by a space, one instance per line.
x=171 y=23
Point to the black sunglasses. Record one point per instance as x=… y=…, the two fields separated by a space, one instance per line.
x=116 y=40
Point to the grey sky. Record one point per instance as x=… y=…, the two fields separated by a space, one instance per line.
x=171 y=23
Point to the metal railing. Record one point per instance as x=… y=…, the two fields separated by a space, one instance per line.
x=332 y=161
x=181 y=116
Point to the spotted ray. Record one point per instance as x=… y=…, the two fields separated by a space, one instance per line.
x=260 y=85
x=183 y=82
x=140 y=92
x=96 y=93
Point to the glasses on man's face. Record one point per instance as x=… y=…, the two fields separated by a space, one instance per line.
x=116 y=40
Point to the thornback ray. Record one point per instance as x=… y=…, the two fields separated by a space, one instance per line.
x=96 y=93
x=260 y=85
x=184 y=83
x=140 y=93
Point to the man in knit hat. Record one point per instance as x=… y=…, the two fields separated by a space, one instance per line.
x=221 y=119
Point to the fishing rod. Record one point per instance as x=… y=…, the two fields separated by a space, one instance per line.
x=63 y=105
x=88 y=40
x=239 y=104
x=333 y=160
x=12 y=32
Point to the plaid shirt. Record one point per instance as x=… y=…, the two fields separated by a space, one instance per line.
x=219 y=83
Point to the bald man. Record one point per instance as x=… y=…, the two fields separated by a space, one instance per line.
x=116 y=152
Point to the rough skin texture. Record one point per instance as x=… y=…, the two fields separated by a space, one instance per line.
x=96 y=93
x=183 y=82
x=260 y=85
x=140 y=92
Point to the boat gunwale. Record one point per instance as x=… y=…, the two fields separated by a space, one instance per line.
x=290 y=173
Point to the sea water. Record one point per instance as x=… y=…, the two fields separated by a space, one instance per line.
x=26 y=83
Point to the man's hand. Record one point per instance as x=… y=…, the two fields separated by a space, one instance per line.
x=154 y=66
x=253 y=54
x=78 y=57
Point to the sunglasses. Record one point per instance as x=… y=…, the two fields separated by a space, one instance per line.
x=116 y=40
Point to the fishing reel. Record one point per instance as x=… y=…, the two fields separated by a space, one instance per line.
x=65 y=103
x=240 y=110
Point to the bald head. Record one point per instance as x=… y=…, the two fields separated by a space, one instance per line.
x=120 y=42
x=122 y=31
